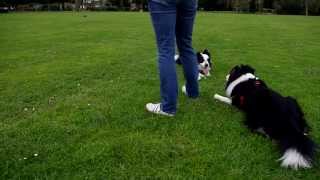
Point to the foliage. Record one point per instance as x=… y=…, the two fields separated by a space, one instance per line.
x=314 y=6
x=297 y=6
x=289 y=6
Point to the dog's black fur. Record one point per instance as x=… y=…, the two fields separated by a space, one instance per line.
x=280 y=118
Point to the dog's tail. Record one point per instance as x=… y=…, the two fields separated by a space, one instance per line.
x=298 y=151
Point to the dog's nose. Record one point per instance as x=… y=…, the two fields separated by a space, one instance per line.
x=206 y=65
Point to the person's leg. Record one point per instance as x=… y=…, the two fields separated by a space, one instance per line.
x=186 y=12
x=163 y=15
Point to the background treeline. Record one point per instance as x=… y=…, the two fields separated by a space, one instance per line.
x=275 y=6
x=263 y=6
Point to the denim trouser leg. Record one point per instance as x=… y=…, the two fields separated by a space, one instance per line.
x=184 y=27
x=174 y=19
x=164 y=22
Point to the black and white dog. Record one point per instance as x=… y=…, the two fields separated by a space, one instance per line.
x=271 y=114
x=204 y=63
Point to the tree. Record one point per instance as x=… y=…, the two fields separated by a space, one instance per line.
x=306 y=2
x=78 y=4
x=290 y=6
x=141 y=4
x=268 y=4
x=312 y=7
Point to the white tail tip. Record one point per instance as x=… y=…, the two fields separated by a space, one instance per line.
x=294 y=159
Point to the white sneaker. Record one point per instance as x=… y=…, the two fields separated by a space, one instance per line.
x=184 y=90
x=156 y=109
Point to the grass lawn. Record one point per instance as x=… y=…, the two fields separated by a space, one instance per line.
x=73 y=90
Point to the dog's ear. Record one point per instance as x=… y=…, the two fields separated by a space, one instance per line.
x=234 y=69
x=210 y=63
x=248 y=68
x=206 y=51
x=199 y=57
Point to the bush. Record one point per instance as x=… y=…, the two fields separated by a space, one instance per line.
x=314 y=7
x=104 y=8
x=289 y=6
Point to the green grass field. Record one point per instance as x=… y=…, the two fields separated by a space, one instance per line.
x=73 y=90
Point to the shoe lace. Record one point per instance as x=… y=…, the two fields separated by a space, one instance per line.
x=157 y=108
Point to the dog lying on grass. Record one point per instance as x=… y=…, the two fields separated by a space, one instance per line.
x=267 y=112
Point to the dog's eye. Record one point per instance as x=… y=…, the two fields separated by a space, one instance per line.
x=200 y=60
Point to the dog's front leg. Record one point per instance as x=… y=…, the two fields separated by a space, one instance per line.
x=200 y=76
x=223 y=99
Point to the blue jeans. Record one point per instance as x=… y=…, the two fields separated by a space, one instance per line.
x=173 y=23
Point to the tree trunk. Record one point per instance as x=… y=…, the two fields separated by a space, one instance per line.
x=77 y=5
x=307 y=7
x=121 y=4
x=260 y=5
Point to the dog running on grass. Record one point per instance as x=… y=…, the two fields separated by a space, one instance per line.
x=204 y=61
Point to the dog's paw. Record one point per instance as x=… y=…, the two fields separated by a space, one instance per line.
x=216 y=96
x=176 y=57
x=201 y=76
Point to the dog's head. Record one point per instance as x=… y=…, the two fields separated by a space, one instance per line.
x=238 y=71
x=204 y=60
